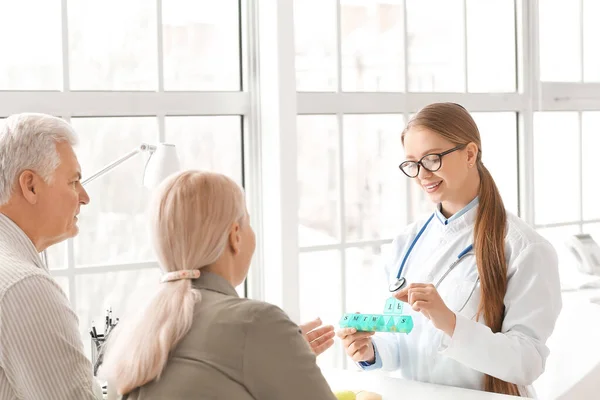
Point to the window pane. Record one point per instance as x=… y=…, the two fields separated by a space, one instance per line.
x=436 y=46
x=372 y=45
x=57 y=256
x=560 y=40
x=113 y=227
x=499 y=151
x=318 y=180
x=320 y=296
x=112 y=45
x=201 y=45
x=590 y=145
x=366 y=282
x=211 y=143
x=591 y=41
x=126 y=292
x=31 y=43
x=558 y=237
x=420 y=204
x=491 y=46
x=556 y=167
x=316 y=49
x=375 y=193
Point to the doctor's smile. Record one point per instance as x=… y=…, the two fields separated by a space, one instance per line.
x=432 y=187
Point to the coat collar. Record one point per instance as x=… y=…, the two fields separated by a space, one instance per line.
x=465 y=217
x=215 y=283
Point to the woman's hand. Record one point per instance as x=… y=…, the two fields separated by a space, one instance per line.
x=320 y=338
x=424 y=298
x=358 y=345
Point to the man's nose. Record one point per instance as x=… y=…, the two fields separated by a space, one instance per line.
x=84 y=198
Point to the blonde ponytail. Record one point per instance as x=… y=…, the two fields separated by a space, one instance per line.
x=138 y=351
x=191 y=220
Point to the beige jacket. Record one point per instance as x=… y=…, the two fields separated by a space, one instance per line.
x=238 y=349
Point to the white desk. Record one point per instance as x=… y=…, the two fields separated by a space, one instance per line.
x=572 y=369
x=573 y=366
x=401 y=389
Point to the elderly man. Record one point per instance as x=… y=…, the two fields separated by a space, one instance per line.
x=41 y=352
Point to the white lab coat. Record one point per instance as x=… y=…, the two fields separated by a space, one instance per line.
x=533 y=301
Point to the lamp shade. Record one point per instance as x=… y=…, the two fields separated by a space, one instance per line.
x=163 y=162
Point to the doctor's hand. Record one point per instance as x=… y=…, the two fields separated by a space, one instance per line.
x=320 y=338
x=424 y=298
x=358 y=345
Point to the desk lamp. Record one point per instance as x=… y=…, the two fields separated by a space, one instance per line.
x=163 y=162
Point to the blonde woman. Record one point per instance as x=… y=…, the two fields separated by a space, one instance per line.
x=197 y=339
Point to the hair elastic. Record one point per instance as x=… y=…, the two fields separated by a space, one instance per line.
x=178 y=275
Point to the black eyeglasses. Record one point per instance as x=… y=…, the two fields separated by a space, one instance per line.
x=431 y=162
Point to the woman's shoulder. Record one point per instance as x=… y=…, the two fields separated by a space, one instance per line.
x=242 y=310
x=247 y=315
x=521 y=236
x=266 y=322
x=260 y=311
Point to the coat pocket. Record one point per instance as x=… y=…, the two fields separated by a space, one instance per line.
x=464 y=298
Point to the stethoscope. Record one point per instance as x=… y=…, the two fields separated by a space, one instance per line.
x=401 y=281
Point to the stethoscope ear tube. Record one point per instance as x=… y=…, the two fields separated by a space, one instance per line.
x=470 y=295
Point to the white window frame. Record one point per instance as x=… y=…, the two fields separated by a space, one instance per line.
x=574 y=97
x=531 y=96
x=341 y=103
x=160 y=104
x=270 y=104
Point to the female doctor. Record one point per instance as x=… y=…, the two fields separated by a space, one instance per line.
x=483 y=286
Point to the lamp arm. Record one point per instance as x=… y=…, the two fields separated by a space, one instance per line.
x=142 y=148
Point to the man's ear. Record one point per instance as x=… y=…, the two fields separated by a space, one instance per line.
x=29 y=185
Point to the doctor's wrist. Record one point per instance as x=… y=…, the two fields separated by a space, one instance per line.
x=451 y=325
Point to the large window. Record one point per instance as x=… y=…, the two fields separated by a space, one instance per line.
x=566 y=124
x=169 y=74
x=364 y=67
x=565 y=175
x=305 y=105
x=384 y=61
x=569 y=54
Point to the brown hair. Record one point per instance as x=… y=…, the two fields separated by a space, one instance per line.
x=454 y=123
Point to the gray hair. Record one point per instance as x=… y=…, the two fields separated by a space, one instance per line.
x=28 y=141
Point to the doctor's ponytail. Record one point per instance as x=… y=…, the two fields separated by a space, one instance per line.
x=454 y=123
x=490 y=230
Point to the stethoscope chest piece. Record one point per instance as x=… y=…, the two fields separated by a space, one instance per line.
x=398 y=284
